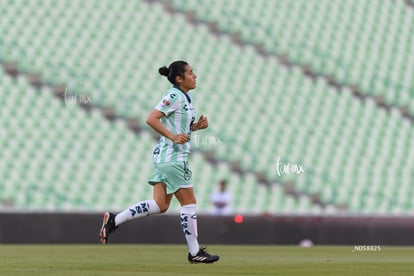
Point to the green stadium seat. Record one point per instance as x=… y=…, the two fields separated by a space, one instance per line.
x=336 y=136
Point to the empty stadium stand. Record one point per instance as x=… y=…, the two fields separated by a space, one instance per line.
x=266 y=116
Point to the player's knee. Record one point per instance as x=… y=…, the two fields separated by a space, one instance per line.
x=163 y=207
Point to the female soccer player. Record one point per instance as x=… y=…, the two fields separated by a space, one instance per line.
x=174 y=119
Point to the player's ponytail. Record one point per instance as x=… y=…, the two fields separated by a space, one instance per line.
x=177 y=68
x=163 y=71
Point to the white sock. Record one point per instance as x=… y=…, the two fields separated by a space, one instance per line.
x=188 y=220
x=141 y=209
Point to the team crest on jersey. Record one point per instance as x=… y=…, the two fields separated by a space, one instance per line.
x=187 y=172
x=165 y=102
x=187 y=175
x=185 y=107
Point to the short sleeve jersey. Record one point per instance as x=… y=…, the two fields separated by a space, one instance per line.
x=179 y=116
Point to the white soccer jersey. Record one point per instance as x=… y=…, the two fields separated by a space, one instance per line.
x=179 y=116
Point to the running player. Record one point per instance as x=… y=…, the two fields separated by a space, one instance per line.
x=174 y=119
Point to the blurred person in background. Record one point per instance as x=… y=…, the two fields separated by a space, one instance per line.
x=221 y=199
x=174 y=119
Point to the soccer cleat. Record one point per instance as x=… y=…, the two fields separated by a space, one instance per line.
x=108 y=227
x=202 y=257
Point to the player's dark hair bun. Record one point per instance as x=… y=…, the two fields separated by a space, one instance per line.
x=164 y=71
x=177 y=68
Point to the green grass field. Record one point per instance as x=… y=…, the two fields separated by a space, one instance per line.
x=171 y=260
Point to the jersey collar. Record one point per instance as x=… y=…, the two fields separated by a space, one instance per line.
x=185 y=94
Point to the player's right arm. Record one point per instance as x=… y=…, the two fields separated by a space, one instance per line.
x=153 y=121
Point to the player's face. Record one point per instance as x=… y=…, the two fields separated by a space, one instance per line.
x=189 y=81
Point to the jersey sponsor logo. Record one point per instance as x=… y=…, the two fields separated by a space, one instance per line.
x=156 y=150
x=172 y=95
x=186 y=107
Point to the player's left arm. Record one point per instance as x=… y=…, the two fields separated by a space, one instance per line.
x=201 y=124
